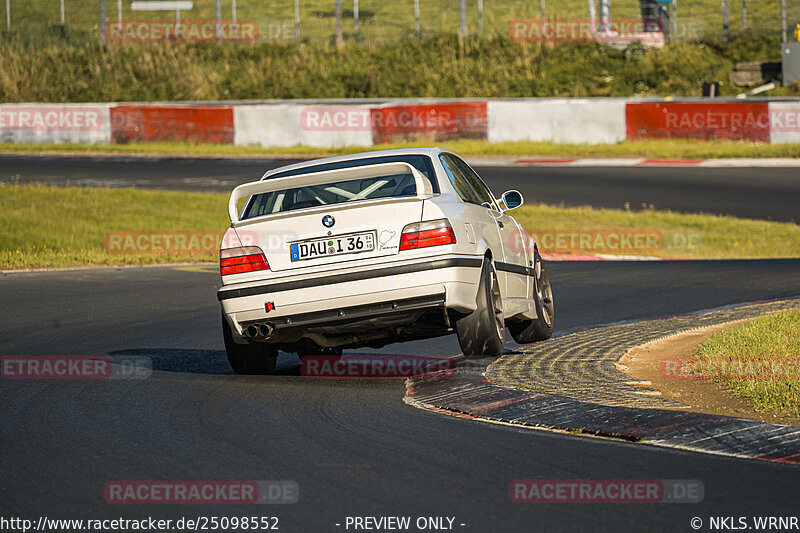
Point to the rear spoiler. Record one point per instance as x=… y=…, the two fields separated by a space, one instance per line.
x=328 y=176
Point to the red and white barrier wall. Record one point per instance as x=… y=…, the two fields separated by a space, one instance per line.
x=172 y=123
x=365 y=123
x=558 y=120
x=278 y=125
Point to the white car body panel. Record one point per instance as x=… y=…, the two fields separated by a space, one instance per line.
x=310 y=297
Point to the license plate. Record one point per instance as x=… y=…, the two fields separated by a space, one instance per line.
x=330 y=246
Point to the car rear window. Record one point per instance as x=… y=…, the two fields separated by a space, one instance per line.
x=335 y=193
x=397 y=185
x=420 y=162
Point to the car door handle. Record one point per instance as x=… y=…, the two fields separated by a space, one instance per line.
x=500 y=224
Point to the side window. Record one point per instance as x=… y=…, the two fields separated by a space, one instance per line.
x=477 y=183
x=460 y=183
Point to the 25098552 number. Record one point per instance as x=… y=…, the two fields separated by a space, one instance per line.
x=237 y=523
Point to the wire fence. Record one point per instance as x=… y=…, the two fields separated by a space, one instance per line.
x=336 y=21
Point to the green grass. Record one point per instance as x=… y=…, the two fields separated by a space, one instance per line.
x=55 y=227
x=680 y=235
x=657 y=149
x=50 y=226
x=769 y=339
x=439 y=66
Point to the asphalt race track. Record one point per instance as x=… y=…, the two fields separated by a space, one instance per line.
x=767 y=193
x=353 y=446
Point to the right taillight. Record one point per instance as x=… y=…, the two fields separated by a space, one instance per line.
x=425 y=234
x=242 y=259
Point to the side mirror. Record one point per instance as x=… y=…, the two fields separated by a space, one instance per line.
x=512 y=199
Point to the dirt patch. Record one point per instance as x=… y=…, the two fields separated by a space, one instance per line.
x=701 y=396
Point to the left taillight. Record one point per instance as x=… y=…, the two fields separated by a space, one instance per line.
x=242 y=259
x=425 y=234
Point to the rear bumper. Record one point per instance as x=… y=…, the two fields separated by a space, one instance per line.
x=367 y=296
x=374 y=315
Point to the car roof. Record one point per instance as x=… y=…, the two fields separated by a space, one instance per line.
x=432 y=151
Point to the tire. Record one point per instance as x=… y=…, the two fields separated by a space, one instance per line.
x=250 y=358
x=482 y=332
x=541 y=328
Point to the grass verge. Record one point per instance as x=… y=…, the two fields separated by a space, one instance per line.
x=771 y=341
x=656 y=149
x=440 y=66
x=56 y=227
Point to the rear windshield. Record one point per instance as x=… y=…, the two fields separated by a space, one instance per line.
x=345 y=191
x=397 y=185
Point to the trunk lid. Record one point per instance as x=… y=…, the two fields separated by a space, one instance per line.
x=330 y=217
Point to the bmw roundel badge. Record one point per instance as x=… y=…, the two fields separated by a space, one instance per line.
x=328 y=221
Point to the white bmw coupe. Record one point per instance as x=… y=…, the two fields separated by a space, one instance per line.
x=375 y=248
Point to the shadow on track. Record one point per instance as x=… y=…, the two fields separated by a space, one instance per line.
x=213 y=362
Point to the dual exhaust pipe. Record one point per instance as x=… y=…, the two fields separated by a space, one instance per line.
x=259 y=331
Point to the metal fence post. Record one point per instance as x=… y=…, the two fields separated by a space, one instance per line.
x=63 y=15
x=8 y=15
x=119 y=14
x=463 y=17
x=605 y=15
x=355 y=17
x=744 y=14
x=783 y=21
x=542 y=8
x=339 y=38
x=416 y=15
x=103 y=22
x=592 y=17
x=675 y=17
x=234 y=29
x=725 y=25
x=296 y=19
x=480 y=17
x=218 y=17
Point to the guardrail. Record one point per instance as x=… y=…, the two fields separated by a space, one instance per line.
x=337 y=123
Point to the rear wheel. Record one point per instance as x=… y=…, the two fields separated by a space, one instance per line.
x=541 y=327
x=482 y=332
x=250 y=358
